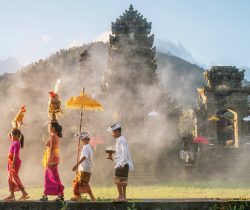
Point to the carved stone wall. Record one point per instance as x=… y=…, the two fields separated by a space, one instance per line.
x=223 y=92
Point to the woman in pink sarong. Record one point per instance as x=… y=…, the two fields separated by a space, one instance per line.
x=14 y=164
x=52 y=182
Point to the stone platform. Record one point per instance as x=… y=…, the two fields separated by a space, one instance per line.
x=147 y=204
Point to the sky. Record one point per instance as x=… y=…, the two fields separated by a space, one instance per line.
x=211 y=32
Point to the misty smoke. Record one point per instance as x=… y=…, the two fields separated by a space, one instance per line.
x=152 y=139
x=30 y=87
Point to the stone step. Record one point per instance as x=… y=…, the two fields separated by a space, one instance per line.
x=145 y=204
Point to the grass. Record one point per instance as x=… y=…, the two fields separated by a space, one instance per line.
x=169 y=190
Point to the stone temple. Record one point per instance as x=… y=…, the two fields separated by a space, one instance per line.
x=222 y=119
x=222 y=109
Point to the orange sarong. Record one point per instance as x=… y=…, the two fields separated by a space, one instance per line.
x=14 y=181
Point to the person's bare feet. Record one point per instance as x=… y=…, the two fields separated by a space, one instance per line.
x=119 y=199
x=24 y=197
x=75 y=198
x=10 y=198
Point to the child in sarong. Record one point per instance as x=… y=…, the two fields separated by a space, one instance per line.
x=84 y=166
x=14 y=164
x=52 y=182
x=123 y=162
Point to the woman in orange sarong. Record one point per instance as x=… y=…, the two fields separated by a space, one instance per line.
x=14 y=164
x=52 y=182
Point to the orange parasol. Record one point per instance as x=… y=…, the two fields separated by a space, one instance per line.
x=83 y=102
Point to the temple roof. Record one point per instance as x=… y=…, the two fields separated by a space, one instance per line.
x=131 y=21
x=224 y=75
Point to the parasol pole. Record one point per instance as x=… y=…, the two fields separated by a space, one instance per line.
x=80 y=130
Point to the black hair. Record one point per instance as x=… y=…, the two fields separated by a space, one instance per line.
x=57 y=127
x=119 y=129
x=21 y=139
x=16 y=132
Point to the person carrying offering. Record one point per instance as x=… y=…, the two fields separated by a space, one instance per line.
x=123 y=162
x=14 y=164
x=52 y=182
x=83 y=167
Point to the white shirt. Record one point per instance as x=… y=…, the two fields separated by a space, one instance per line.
x=122 y=156
x=86 y=165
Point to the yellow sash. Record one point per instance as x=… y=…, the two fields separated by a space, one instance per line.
x=46 y=156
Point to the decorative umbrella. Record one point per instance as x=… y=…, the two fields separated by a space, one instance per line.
x=201 y=140
x=116 y=117
x=246 y=118
x=213 y=118
x=153 y=113
x=83 y=102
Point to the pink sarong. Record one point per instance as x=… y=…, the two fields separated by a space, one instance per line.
x=52 y=182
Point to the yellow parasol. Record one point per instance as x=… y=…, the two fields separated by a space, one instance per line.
x=83 y=102
x=213 y=118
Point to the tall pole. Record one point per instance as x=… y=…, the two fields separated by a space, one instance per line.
x=78 y=146
x=80 y=130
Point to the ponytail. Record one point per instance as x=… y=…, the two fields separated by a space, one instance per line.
x=21 y=139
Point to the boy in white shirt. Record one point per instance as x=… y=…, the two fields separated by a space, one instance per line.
x=123 y=162
x=84 y=166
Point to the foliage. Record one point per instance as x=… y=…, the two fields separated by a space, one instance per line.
x=64 y=206
x=132 y=207
x=238 y=206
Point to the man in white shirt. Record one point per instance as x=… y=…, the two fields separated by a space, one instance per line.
x=123 y=162
x=84 y=166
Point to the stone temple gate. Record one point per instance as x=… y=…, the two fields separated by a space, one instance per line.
x=222 y=109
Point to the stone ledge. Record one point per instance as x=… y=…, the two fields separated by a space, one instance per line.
x=164 y=204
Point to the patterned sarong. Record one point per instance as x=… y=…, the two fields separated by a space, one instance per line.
x=81 y=183
x=121 y=175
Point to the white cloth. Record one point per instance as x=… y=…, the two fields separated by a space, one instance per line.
x=122 y=155
x=114 y=127
x=84 y=135
x=86 y=165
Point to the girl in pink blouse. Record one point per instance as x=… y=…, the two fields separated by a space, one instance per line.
x=14 y=164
